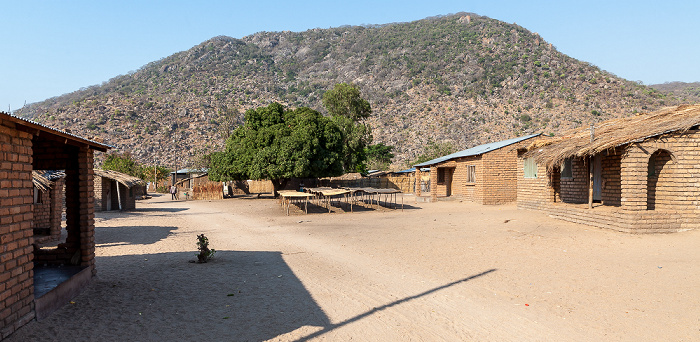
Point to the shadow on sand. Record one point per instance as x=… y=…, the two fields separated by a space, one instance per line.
x=131 y=235
x=237 y=296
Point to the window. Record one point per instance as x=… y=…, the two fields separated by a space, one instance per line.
x=441 y=175
x=471 y=173
x=530 y=168
x=37 y=196
x=566 y=169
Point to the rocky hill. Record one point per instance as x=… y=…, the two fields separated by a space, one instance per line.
x=464 y=79
x=686 y=92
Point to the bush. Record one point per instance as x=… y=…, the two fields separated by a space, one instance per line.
x=205 y=254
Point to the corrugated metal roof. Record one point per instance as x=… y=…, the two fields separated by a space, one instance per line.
x=477 y=150
x=187 y=170
x=54 y=130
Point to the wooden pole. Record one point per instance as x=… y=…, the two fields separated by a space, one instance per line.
x=590 y=173
x=119 y=196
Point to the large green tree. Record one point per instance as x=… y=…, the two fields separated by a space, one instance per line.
x=434 y=150
x=125 y=163
x=279 y=144
x=379 y=156
x=345 y=100
x=348 y=110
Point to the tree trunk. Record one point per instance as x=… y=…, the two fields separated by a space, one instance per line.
x=278 y=184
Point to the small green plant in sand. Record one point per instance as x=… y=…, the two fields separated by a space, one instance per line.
x=205 y=254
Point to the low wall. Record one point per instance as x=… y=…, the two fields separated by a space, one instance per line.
x=637 y=222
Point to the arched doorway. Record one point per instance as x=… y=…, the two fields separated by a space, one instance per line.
x=659 y=171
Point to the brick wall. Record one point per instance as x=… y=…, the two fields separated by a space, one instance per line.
x=16 y=235
x=42 y=212
x=574 y=189
x=500 y=177
x=106 y=191
x=47 y=214
x=612 y=183
x=633 y=198
x=496 y=177
x=79 y=247
x=533 y=193
x=100 y=199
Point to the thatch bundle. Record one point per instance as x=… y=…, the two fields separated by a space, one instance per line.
x=40 y=182
x=44 y=180
x=124 y=179
x=610 y=134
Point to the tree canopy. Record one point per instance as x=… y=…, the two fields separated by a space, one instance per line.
x=279 y=144
x=379 y=156
x=434 y=150
x=345 y=100
x=348 y=109
x=125 y=163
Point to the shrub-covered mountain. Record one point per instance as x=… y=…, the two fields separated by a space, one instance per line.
x=462 y=79
x=688 y=92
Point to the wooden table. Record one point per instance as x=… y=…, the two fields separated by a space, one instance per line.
x=326 y=195
x=287 y=196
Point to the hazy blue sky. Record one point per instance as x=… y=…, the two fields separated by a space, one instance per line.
x=50 y=48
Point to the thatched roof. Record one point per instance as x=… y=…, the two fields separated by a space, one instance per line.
x=613 y=133
x=347 y=176
x=40 y=182
x=44 y=180
x=126 y=180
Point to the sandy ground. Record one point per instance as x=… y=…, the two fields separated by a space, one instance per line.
x=445 y=271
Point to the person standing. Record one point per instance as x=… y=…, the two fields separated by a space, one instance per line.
x=173 y=190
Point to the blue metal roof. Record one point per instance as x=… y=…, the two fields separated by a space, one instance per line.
x=477 y=150
x=413 y=169
x=187 y=170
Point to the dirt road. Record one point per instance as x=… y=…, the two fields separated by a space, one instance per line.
x=446 y=271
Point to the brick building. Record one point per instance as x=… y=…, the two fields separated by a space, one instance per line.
x=48 y=205
x=639 y=174
x=27 y=146
x=115 y=190
x=486 y=174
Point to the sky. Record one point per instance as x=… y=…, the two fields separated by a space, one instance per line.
x=52 y=48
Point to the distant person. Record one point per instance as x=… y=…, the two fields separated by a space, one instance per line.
x=173 y=191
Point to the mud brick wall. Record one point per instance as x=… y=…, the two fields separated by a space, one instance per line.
x=473 y=191
x=662 y=198
x=534 y=193
x=500 y=176
x=98 y=184
x=42 y=211
x=496 y=176
x=79 y=247
x=575 y=188
x=16 y=235
x=612 y=183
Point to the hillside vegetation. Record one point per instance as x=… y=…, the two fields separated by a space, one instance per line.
x=687 y=92
x=462 y=79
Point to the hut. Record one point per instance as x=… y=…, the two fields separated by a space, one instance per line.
x=115 y=190
x=26 y=146
x=485 y=174
x=636 y=174
x=182 y=174
x=47 y=205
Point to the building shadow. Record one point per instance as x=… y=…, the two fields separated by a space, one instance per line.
x=237 y=296
x=131 y=235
